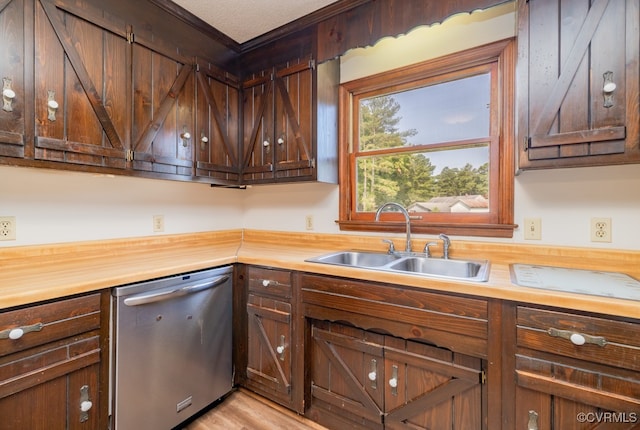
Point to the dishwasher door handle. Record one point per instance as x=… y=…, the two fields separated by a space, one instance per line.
x=144 y=299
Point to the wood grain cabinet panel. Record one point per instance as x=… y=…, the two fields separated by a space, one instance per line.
x=92 y=89
x=217 y=125
x=361 y=379
x=163 y=127
x=578 y=83
x=290 y=123
x=52 y=359
x=575 y=371
x=273 y=350
x=13 y=98
x=80 y=98
x=383 y=356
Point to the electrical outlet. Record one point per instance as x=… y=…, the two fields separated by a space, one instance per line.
x=532 y=229
x=158 y=223
x=600 y=229
x=7 y=228
x=308 y=222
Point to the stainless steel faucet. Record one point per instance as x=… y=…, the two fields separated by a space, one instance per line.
x=406 y=217
x=446 y=243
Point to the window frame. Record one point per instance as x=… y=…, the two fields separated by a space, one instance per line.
x=499 y=221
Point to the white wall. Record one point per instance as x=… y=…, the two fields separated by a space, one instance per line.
x=56 y=206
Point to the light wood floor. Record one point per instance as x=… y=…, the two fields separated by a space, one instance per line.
x=243 y=410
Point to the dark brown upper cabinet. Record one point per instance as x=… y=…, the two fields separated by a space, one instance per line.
x=578 y=78
x=105 y=89
x=217 y=125
x=12 y=55
x=80 y=99
x=163 y=111
x=291 y=123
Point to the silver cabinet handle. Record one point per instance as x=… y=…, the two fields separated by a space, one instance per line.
x=17 y=332
x=577 y=338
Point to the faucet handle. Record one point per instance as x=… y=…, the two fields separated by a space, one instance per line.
x=427 y=251
x=392 y=248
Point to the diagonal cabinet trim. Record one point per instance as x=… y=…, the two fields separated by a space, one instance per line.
x=159 y=116
x=83 y=75
x=264 y=339
x=557 y=94
x=325 y=340
x=4 y=3
x=257 y=122
x=291 y=116
x=218 y=118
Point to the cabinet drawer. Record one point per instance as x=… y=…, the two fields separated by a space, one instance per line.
x=270 y=281
x=41 y=324
x=453 y=322
x=599 y=340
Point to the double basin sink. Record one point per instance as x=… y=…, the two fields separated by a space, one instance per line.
x=410 y=263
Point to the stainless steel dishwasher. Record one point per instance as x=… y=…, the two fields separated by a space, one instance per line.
x=172 y=348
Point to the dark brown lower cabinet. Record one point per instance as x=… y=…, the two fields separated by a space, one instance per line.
x=362 y=379
x=576 y=372
x=53 y=365
x=272 y=348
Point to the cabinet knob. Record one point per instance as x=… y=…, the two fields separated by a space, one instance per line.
x=7 y=95
x=608 y=88
x=266 y=282
x=266 y=143
x=16 y=333
x=86 y=405
x=393 y=383
x=52 y=105
x=280 y=348
x=185 y=136
x=280 y=140
x=533 y=421
x=577 y=339
x=373 y=376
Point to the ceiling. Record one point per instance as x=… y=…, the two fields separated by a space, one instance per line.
x=243 y=20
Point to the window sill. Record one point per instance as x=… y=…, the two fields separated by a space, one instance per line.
x=479 y=230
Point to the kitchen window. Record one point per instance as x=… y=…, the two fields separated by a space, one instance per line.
x=436 y=137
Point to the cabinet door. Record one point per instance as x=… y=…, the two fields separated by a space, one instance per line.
x=293 y=120
x=278 y=109
x=539 y=410
x=12 y=51
x=163 y=133
x=579 y=79
x=431 y=388
x=257 y=134
x=347 y=376
x=55 y=404
x=269 y=346
x=217 y=125
x=80 y=86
